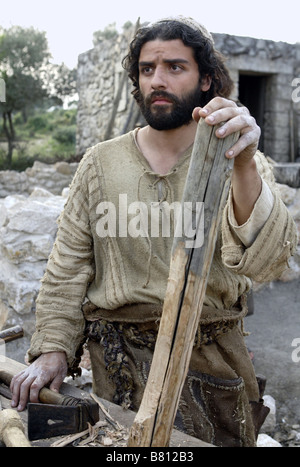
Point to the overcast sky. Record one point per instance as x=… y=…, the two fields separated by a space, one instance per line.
x=70 y=24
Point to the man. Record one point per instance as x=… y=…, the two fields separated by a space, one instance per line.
x=108 y=284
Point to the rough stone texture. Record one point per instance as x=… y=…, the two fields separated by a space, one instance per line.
x=107 y=109
x=105 y=102
x=269 y=424
x=279 y=63
x=288 y=174
x=266 y=441
x=51 y=177
x=27 y=232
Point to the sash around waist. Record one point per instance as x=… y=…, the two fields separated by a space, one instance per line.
x=147 y=312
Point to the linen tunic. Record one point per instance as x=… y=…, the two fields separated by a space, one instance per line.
x=106 y=252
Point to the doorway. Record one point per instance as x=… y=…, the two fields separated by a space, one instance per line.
x=252 y=94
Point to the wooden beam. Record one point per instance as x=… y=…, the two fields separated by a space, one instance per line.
x=207 y=182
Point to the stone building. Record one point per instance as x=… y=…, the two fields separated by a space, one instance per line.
x=263 y=71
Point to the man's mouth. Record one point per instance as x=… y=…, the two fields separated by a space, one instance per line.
x=160 y=100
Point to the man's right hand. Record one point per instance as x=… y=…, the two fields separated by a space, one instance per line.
x=47 y=368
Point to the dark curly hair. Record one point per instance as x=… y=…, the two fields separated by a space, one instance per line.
x=210 y=61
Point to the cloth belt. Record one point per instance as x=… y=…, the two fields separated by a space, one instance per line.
x=212 y=323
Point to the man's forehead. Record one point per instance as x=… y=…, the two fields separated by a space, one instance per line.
x=169 y=49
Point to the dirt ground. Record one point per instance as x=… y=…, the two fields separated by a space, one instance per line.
x=274 y=327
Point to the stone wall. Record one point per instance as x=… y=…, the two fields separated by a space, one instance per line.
x=51 y=177
x=105 y=103
x=30 y=203
x=278 y=64
x=106 y=108
x=27 y=232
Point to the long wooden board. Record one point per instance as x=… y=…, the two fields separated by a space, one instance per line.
x=208 y=181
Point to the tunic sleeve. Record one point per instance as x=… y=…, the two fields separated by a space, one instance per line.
x=261 y=212
x=59 y=319
x=267 y=256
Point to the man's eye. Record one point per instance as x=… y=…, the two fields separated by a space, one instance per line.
x=147 y=70
x=176 y=67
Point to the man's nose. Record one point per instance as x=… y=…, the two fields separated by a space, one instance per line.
x=159 y=79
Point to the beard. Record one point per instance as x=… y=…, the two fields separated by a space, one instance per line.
x=161 y=117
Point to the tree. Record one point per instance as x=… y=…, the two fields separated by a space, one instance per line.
x=110 y=32
x=61 y=82
x=24 y=55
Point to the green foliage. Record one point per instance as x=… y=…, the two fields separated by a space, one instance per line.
x=63 y=79
x=32 y=82
x=110 y=32
x=127 y=25
x=37 y=122
x=23 y=53
x=23 y=49
x=47 y=136
x=65 y=135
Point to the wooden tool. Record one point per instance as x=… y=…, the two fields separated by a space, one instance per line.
x=207 y=182
x=57 y=414
x=11 y=334
x=12 y=431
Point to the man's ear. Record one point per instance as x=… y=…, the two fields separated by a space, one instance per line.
x=205 y=83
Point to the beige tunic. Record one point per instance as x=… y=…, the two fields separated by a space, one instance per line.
x=122 y=268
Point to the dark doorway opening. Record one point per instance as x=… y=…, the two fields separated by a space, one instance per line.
x=252 y=92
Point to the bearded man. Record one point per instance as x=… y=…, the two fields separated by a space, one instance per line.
x=109 y=287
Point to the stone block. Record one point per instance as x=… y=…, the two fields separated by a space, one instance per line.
x=270 y=422
x=265 y=441
x=288 y=174
x=28 y=227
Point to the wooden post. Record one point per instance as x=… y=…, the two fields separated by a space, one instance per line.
x=12 y=430
x=208 y=181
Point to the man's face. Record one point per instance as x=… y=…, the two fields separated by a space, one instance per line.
x=169 y=83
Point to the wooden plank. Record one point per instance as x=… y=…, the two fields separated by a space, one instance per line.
x=3 y=314
x=8 y=365
x=207 y=182
x=11 y=334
